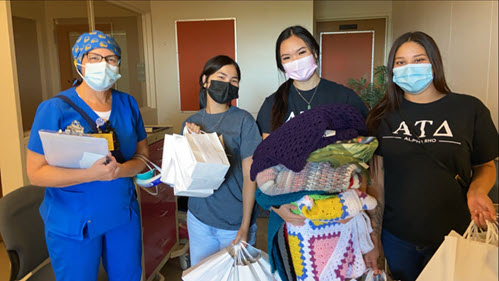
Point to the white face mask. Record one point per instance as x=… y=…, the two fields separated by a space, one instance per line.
x=301 y=69
x=100 y=76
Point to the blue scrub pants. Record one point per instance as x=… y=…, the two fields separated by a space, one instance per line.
x=205 y=240
x=78 y=260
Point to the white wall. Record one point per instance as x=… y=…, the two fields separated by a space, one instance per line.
x=339 y=10
x=258 y=23
x=11 y=157
x=352 y=10
x=466 y=33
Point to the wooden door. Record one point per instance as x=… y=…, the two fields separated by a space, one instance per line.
x=193 y=52
x=346 y=55
x=365 y=25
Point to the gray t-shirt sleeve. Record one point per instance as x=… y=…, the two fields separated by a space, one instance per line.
x=250 y=136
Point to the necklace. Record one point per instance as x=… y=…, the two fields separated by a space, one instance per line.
x=216 y=124
x=313 y=95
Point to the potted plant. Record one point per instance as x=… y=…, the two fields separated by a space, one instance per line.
x=370 y=93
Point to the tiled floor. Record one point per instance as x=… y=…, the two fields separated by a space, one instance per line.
x=171 y=271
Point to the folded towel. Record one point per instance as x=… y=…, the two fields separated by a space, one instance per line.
x=318 y=176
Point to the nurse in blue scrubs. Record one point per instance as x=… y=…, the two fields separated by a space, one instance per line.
x=92 y=213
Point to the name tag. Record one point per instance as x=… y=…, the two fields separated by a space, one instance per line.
x=108 y=137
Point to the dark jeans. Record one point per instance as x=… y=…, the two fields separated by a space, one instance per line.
x=405 y=260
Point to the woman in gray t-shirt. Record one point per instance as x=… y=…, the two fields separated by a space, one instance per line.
x=227 y=216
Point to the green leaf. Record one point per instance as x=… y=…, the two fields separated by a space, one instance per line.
x=370 y=93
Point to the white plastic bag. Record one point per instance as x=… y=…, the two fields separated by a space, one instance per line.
x=463 y=258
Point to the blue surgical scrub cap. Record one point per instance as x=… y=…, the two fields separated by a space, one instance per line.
x=93 y=40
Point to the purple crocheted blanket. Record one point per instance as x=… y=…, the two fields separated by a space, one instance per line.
x=292 y=143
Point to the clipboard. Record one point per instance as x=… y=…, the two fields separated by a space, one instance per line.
x=72 y=151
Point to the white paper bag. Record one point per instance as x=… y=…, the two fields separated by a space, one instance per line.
x=235 y=263
x=369 y=276
x=167 y=165
x=253 y=265
x=193 y=178
x=209 y=155
x=460 y=258
x=214 y=268
x=194 y=164
x=170 y=169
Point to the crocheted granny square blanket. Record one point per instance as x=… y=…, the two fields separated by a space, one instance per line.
x=293 y=141
x=332 y=208
x=318 y=176
x=330 y=251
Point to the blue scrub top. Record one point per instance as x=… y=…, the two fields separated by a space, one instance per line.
x=93 y=207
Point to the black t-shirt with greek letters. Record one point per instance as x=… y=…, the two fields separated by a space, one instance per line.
x=423 y=201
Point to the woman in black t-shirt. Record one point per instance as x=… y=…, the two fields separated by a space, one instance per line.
x=434 y=166
x=297 y=53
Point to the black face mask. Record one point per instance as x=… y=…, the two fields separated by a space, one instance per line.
x=222 y=92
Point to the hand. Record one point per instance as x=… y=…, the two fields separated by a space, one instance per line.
x=242 y=234
x=345 y=220
x=285 y=213
x=371 y=258
x=103 y=169
x=117 y=172
x=481 y=208
x=193 y=127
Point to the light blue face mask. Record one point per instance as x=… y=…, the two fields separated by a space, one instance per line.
x=148 y=179
x=413 y=78
x=100 y=76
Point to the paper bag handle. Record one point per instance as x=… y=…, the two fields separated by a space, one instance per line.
x=491 y=237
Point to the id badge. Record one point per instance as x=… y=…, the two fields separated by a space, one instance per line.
x=108 y=137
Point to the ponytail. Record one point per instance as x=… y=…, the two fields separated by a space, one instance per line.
x=280 y=107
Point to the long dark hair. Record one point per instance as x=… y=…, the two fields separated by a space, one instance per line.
x=394 y=94
x=212 y=66
x=281 y=96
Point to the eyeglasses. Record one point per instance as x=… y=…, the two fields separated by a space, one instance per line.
x=96 y=58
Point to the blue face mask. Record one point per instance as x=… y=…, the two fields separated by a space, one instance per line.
x=100 y=76
x=148 y=179
x=413 y=78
